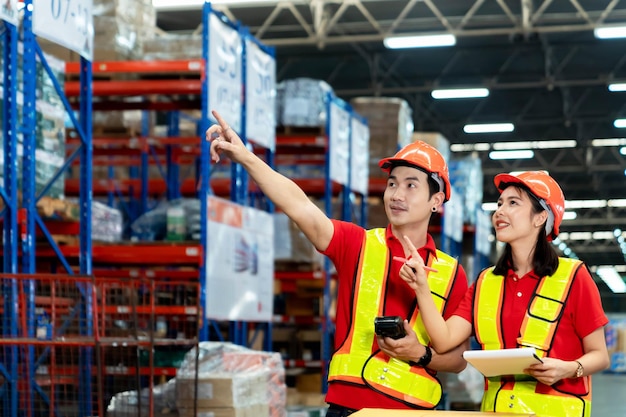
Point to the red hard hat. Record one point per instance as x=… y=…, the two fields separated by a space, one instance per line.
x=544 y=188
x=422 y=156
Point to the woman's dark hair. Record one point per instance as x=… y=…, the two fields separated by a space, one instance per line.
x=545 y=258
x=433 y=187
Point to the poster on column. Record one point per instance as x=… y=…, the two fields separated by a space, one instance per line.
x=8 y=12
x=260 y=96
x=239 y=278
x=339 y=142
x=66 y=22
x=224 y=71
x=360 y=155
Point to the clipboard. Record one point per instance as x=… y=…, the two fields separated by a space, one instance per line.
x=502 y=361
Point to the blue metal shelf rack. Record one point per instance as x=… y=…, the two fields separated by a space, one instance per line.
x=20 y=246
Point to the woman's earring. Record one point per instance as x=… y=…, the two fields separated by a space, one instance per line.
x=434 y=209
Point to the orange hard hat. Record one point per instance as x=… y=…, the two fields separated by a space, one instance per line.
x=545 y=189
x=422 y=156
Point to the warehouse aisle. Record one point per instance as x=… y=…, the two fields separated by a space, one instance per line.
x=609 y=392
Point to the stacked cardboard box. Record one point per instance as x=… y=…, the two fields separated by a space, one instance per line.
x=390 y=123
x=230 y=381
x=173 y=46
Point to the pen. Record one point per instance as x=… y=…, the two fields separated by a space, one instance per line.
x=401 y=259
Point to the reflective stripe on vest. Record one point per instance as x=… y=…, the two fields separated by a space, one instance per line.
x=538 y=327
x=354 y=362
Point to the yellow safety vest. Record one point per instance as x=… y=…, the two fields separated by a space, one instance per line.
x=354 y=361
x=518 y=394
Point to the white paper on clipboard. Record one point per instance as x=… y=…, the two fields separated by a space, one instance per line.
x=501 y=361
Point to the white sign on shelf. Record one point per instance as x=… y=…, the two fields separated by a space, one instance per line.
x=240 y=262
x=339 y=143
x=224 y=71
x=360 y=152
x=66 y=22
x=260 y=96
x=8 y=12
x=453 y=217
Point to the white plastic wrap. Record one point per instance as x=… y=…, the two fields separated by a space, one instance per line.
x=231 y=376
x=128 y=403
x=302 y=102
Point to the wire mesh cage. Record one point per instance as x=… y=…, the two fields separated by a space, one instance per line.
x=85 y=346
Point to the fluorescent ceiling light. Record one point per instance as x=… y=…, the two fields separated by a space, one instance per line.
x=610 y=32
x=569 y=215
x=617 y=87
x=426 y=41
x=618 y=202
x=598 y=143
x=519 y=154
x=585 y=204
x=536 y=144
x=611 y=278
x=469 y=147
x=619 y=123
x=448 y=93
x=489 y=128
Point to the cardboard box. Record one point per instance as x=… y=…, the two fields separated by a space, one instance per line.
x=256 y=410
x=222 y=391
x=376 y=412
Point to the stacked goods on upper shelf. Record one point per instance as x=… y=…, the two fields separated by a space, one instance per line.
x=49 y=127
x=390 y=123
x=169 y=46
x=120 y=29
x=301 y=102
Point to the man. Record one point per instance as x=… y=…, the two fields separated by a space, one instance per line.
x=369 y=371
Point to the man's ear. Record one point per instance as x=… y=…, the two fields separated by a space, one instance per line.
x=438 y=199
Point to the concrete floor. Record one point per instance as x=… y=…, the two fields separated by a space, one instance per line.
x=609 y=395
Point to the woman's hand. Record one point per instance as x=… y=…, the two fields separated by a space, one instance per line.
x=552 y=370
x=414 y=272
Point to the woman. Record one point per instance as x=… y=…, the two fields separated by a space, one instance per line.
x=530 y=298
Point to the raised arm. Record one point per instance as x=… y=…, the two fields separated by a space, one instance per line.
x=282 y=191
x=444 y=335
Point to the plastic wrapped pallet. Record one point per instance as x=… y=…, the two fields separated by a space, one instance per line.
x=173 y=46
x=121 y=27
x=390 y=122
x=231 y=380
x=106 y=223
x=129 y=404
x=303 y=102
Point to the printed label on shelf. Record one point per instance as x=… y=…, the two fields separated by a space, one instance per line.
x=8 y=12
x=116 y=370
x=66 y=22
x=123 y=309
x=192 y=252
x=191 y=311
